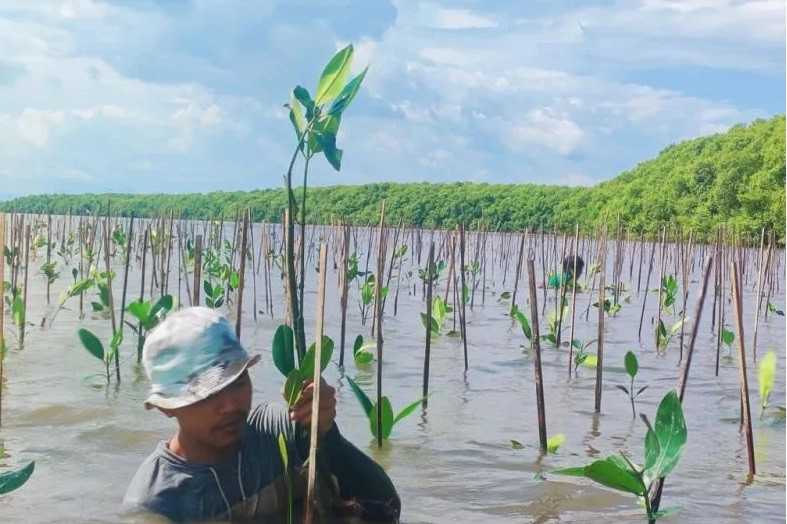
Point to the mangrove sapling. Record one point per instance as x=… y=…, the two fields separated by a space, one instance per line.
x=632 y=366
x=439 y=311
x=49 y=271
x=774 y=310
x=523 y=322
x=74 y=290
x=95 y=347
x=553 y=443
x=664 y=443
x=554 y=321
x=148 y=317
x=367 y=296
x=12 y=480
x=765 y=378
x=663 y=337
x=582 y=357
x=388 y=418
x=361 y=353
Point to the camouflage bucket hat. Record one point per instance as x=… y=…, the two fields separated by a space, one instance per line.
x=191 y=355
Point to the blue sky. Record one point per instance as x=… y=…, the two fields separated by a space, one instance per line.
x=181 y=96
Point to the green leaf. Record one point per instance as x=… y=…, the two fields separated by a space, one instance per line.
x=363 y=357
x=163 y=304
x=667 y=513
x=296 y=116
x=293 y=387
x=96 y=306
x=329 y=124
x=139 y=310
x=624 y=389
x=643 y=388
x=208 y=288
x=524 y=323
x=327 y=142
x=346 y=96
x=283 y=451
x=434 y=327
x=766 y=376
x=307 y=364
x=302 y=95
x=515 y=444
x=18 y=311
x=728 y=337
x=334 y=76
x=387 y=418
x=670 y=433
x=608 y=472
x=505 y=295
x=366 y=403
x=80 y=287
x=408 y=410
x=103 y=293
x=554 y=443
x=91 y=343
x=283 y=349
x=357 y=344
x=632 y=366
x=590 y=361
x=577 y=343
x=15 y=479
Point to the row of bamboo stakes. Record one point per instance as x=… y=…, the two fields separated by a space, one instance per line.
x=730 y=251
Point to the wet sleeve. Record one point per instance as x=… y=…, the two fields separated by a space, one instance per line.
x=360 y=478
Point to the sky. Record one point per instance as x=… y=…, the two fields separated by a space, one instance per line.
x=169 y=96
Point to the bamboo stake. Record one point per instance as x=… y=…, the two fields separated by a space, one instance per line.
x=343 y=287
x=110 y=297
x=317 y=379
x=125 y=274
x=48 y=250
x=378 y=306
x=24 y=289
x=600 y=341
x=2 y=309
x=427 y=347
x=573 y=300
x=542 y=421
x=242 y=274
x=746 y=415
x=462 y=323
x=197 y=270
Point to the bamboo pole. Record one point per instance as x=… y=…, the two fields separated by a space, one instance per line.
x=125 y=273
x=242 y=274
x=462 y=323
x=48 y=250
x=2 y=309
x=378 y=305
x=746 y=414
x=427 y=347
x=573 y=300
x=317 y=379
x=542 y=421
x=109 y=295
x=24 y=289
x=600 y=341
x=197 y=269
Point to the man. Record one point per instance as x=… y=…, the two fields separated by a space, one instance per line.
x=224 y=462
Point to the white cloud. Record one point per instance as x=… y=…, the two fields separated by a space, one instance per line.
x=542 y=127
x=462 y=19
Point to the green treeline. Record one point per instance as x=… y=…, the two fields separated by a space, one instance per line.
x=736 y=178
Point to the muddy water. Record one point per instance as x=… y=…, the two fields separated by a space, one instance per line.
x=452 y=462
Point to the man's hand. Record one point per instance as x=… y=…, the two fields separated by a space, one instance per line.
x=302 y=411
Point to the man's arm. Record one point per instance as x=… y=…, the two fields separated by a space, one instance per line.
x=361 y=480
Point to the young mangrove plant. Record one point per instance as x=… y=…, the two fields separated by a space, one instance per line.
x=439 y=311
x=361 y=353
x=664 y=443
x=582 y=357
x=766 y=378
x=95 y=347
x=774 y=310
x=12 y=480
x=663 y=337
x=523 y=322
x=553 y=443
x=74 y=290
x=632 y=366
x=367 y=296
x=554 y=324
x=388 y=418
x=148 y=317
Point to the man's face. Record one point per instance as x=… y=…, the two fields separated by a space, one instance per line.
x=219 y=420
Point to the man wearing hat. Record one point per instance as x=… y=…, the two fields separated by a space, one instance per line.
x=224 y=462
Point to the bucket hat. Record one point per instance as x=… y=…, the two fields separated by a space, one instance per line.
x=193 y=354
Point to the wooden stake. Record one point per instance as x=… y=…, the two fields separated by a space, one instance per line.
x=542 y=421
x=427 y=347
x=317 y=379
x=600 y=341
x=242 y=274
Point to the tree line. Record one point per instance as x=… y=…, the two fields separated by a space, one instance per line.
x=736 y=178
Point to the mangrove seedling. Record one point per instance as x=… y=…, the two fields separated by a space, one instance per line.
x=554 y=324
x=48 y=270
x=632 y=366
x=148 y=317
x=361 y=352
x=728 y=337
x=367 y=296
x=15 y=479
x=669 y=290
x=609 y=308
x=214 y=295
x=553 y=443
x=765 y=378
x=95 y=347
x=74 y=290
x=439 y=311
x=523 y=322
x=663 y=447
x=663 y=337
x=582 y=357
x=370 y=408
x=774 y=310
x=283 y=350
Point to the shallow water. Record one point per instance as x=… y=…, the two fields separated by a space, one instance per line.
x=452 y=462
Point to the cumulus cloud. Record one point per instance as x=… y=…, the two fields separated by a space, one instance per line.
x=152 y=96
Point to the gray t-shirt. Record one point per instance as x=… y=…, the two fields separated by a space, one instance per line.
x=252 y=485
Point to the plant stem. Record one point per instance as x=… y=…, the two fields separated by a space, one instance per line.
x=631 y=395
x=300 y=337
